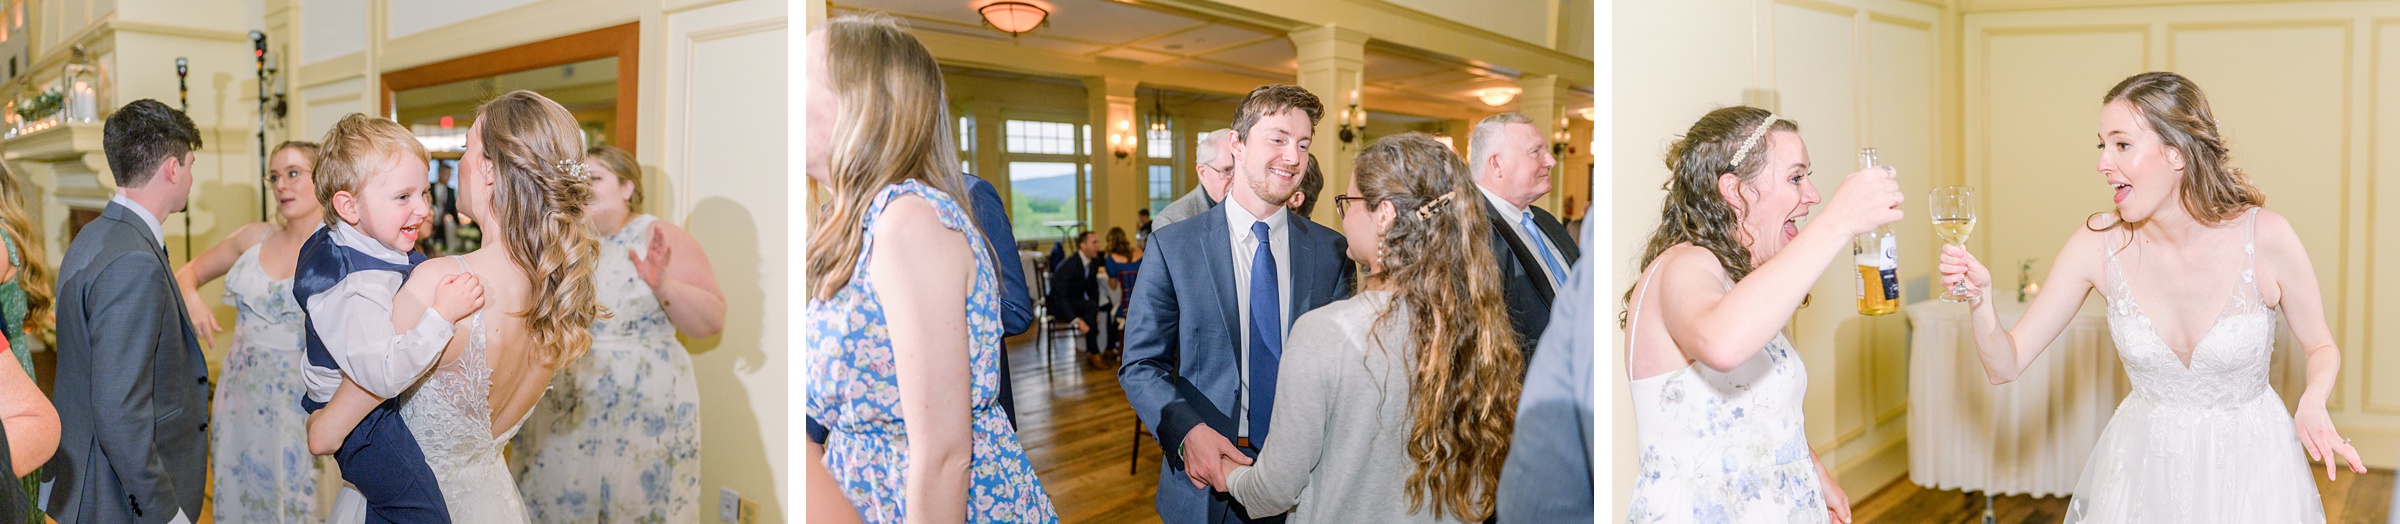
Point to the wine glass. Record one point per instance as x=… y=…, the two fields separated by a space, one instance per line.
x=1953 y=219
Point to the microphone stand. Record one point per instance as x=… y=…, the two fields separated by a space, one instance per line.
x=183 y=99
x=258 y=49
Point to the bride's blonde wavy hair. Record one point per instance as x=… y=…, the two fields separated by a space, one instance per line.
x=539 y=190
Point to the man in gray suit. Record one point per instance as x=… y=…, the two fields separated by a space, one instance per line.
x=132 y=388
x=1215 y=167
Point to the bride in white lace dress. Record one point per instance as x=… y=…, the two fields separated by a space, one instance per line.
x=521 y=178
x=2194 y=271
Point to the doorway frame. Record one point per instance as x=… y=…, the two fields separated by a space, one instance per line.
x=622 y=41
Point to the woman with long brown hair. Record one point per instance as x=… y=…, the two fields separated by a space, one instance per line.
x=1716 y=388
x=27 y=286
x=258 y=447
x=1414 y=379
x=903 y=334
x=2194 y=268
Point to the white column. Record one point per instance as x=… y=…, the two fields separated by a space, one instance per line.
x=1331 y=61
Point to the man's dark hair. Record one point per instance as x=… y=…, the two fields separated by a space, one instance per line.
x=142 y=134
x=1080 y=237
x=1144 y=212
x=1311 y=183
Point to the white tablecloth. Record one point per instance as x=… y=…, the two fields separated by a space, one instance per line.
x=2030 y=436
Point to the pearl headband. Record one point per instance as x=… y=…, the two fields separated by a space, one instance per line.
x=1752 y=141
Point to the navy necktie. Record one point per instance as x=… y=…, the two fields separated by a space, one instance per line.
x=1266 y=333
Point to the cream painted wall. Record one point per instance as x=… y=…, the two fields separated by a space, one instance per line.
x=2297 y=88
x=1853 y=73
x=713 y=96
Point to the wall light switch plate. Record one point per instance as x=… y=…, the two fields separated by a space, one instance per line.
x=729 y=505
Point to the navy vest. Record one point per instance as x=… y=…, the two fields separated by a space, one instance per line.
x=380 y=456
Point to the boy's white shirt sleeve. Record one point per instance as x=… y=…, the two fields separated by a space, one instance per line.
x=354 y=320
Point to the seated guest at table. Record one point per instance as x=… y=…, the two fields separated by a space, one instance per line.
x=1716 y=388
x=1406 y=390
x=2189 y=260
x=1121 y=262
x=1075 y=293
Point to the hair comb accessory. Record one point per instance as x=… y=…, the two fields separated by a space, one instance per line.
x=571 y=168
x=1752 y=141
x=1426 y=211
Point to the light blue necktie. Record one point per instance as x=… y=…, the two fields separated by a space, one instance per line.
x=1541 y=248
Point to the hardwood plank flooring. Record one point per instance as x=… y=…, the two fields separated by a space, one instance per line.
x=1079 y=431
x=2350 y=499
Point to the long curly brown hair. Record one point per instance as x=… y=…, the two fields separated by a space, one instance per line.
x=34 y=273
x=1464 y=378
x=2213 y=190
x=539 y=194
x=1694 y=212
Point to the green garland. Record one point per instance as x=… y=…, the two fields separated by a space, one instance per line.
x=42 y=105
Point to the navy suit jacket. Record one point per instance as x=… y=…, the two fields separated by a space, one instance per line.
x=1182 y=347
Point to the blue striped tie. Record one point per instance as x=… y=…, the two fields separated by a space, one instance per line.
x=1541 y=248
x=1266 y=334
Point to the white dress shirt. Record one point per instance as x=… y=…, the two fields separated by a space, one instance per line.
x=156 y=232
x=354 y=319
x=1515 y=217
x=1245 y=247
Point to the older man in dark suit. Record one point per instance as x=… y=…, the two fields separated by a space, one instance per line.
x=132 y=388
x=1217 y=295
x=1511 y=163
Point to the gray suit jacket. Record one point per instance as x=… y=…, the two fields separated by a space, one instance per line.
x=1182 y=350
x=132 y=388
x=1191 y=205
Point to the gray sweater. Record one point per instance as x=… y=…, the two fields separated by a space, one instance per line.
x=1339 y=449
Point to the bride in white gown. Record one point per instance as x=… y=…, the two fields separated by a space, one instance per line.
x=522 y=179
x=2194 y=270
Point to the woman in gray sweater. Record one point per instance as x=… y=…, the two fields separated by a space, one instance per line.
x=1406 y=391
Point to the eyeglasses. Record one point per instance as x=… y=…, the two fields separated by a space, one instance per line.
x=1341 y=204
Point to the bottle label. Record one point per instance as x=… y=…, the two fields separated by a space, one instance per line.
x=1889 y=266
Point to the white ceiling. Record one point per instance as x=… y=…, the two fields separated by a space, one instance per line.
x=1156 y=35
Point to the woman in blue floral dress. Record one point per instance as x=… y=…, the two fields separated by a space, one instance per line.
x=903 y=335
x=258 y=447
x=618 y=437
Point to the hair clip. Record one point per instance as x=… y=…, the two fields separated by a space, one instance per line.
x=1426 y=211
x=571 y=168
x=1752 y=141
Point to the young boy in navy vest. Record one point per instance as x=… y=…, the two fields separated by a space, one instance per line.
x=363 y=335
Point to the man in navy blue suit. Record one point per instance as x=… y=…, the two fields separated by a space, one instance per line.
x=1217 y=295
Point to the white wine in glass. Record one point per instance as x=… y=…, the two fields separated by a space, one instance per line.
x=1953 y=220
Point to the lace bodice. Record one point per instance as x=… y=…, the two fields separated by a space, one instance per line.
x=451 y=416
x=2229 y=362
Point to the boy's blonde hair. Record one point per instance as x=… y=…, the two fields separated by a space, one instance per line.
x=357 y=145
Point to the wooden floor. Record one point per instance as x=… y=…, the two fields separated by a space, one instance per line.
x=2351 y=499
x=1077 y=428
